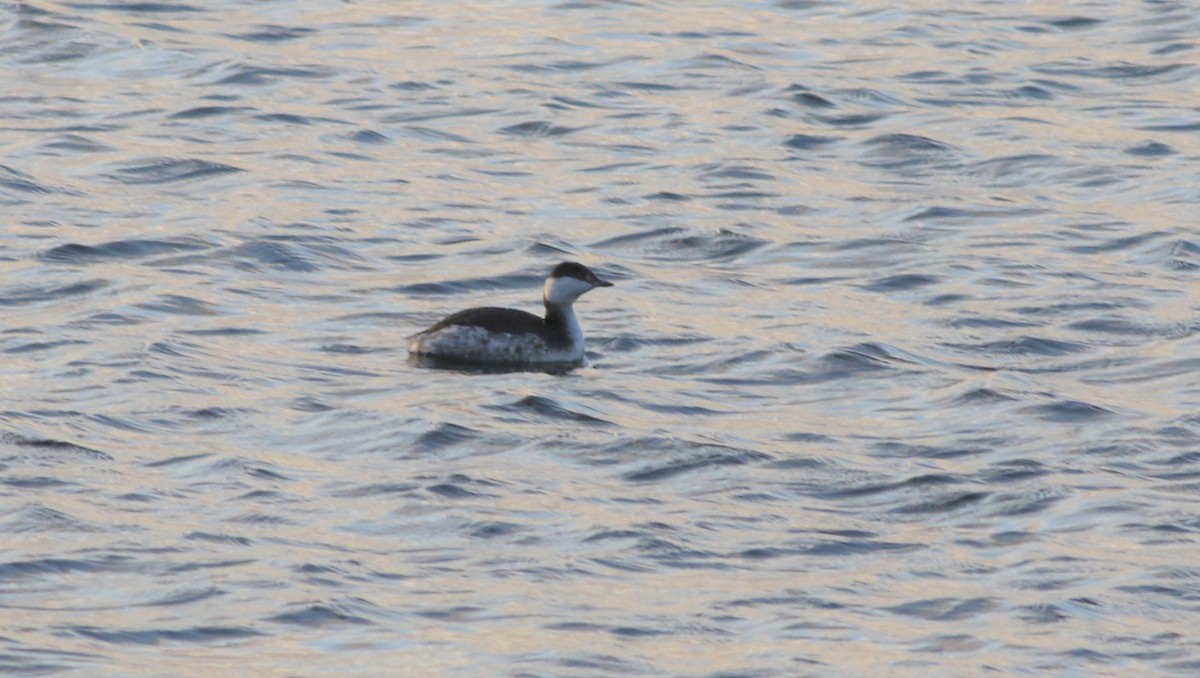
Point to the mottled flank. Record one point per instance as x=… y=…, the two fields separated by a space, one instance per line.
x=901 y=376
x=479 y=345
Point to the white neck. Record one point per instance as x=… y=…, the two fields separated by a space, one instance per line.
x=559 y=294
x=574 y=330
x=566 y=313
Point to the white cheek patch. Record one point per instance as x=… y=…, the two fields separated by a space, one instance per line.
x=561 y=291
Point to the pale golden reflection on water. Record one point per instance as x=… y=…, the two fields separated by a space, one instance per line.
x=897 y=377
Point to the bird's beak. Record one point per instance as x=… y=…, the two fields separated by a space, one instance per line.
x=596 y=282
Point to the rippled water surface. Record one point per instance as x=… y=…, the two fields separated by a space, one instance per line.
x=899 y=374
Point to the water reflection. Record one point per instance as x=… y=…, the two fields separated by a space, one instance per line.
x=902 y=378
x=464 y=367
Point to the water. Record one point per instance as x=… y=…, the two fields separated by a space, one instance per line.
x=898 y=375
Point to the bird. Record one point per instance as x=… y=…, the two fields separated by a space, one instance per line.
x=507 y=336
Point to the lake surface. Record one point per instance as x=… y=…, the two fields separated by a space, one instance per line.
x=899 y=375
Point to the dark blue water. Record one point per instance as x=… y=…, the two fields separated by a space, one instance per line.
x=899 y=374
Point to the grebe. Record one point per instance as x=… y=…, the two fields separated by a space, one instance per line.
x=508 y=336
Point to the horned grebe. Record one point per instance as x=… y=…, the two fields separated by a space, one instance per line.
x=508 y=336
